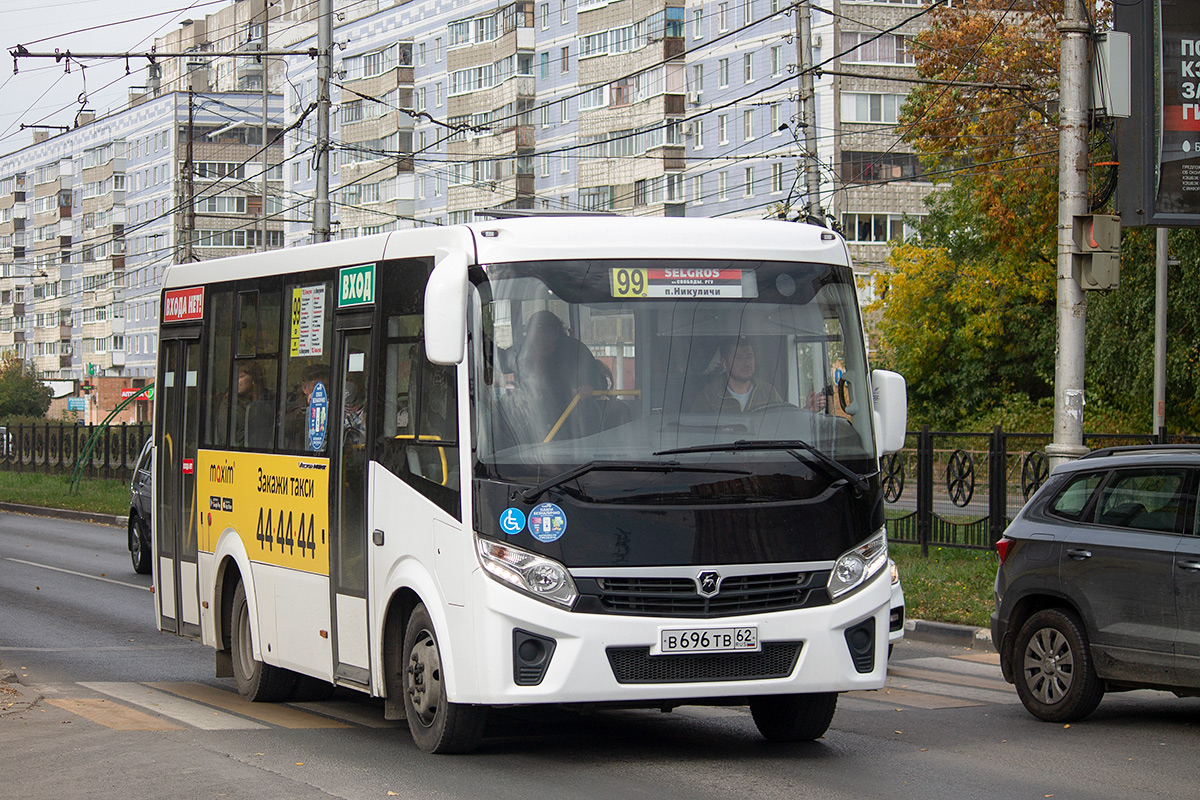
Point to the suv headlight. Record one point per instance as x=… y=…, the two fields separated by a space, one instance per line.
x=856 y=567
x=536 y=575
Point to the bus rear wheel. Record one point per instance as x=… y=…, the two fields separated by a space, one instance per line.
x=256 y=681
x=793 y=717
x=437 y=725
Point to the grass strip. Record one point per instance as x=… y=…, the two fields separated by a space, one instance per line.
x=98 y=495
x=952 y=585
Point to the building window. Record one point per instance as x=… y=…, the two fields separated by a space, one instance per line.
x=723 y=129
x=749 y=182
x=872 y=167
x=875 y=228
x=723 y=73
x=747 y=68
x=722 y=185
x=747 y=125
x=697 y=78
x=869 y=47
x=544 y=66
x=698 y=22
x=871 y=107
x=776 y=60
x=722 y=17
x=776 y=178
x=564 y=56
x=698 y=134
x=544 y=16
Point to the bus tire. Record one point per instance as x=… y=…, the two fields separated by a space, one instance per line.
x=437 y=725
x=256 y=681
x=793 y=717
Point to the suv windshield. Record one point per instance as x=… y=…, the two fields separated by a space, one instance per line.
x=583 y=362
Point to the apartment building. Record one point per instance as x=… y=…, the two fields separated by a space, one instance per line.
x=654 y=107
x=90 y=218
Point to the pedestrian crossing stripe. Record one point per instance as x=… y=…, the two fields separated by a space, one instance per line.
x=924 y=683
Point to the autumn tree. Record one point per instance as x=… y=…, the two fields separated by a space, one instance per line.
x=22 y=392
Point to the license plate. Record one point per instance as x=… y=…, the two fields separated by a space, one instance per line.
x=708 y=640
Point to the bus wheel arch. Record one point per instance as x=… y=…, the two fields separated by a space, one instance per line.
x=256 y=680
x=395 y=622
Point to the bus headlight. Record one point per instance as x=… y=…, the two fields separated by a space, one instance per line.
x=541 y=577
x=857 y=566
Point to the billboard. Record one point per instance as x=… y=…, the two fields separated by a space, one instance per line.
x=1159 y=145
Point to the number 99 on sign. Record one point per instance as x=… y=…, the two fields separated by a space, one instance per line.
x=628 y=282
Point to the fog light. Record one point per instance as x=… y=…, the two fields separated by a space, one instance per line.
x=531 y=657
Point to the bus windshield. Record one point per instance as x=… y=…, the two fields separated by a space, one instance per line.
x=689 y=363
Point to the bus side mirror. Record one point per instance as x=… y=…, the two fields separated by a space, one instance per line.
x=446 y=307
x=890 y=396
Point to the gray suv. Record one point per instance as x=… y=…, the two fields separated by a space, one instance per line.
x=1098 y=588
x=139 y=511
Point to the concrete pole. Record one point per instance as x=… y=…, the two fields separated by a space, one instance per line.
x=266 y=161
x=1074 y=79
x=1160 y=332
x=324 y=73
x=808 y=109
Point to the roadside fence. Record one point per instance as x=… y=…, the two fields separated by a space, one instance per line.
x=52 y=448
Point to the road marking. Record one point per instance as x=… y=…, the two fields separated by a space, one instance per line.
x=973 y=668
x=946 y=686
x=194 y=714
x=283 y=716
x=113 y=715
x=982 y=658
x=903 y=697
x=957 y=679
x=79 y=574
x=356 y=713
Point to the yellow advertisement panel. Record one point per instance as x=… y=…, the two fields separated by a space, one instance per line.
x=279 y=505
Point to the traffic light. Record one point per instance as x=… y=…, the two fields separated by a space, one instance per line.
x=1096 y=239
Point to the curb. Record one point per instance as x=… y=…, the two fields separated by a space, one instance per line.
x=968 y=636
x=65 y=513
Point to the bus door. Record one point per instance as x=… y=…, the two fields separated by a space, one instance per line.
x=177 y=579
x=348 y=499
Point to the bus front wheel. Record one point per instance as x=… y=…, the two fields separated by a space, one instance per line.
x=793 y=717
x=437 y=725
x=256 y=681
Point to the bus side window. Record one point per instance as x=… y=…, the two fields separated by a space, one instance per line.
x=419 y=426
x=220 y=346
x=306 y=370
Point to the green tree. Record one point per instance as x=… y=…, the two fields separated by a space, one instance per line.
x=22 y=393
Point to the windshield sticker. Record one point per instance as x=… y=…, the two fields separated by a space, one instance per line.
x=318 y=415
x=676 y=282
x=512 y=521
x=547 y=522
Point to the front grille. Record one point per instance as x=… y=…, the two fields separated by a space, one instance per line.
x=740 y=594
x=636 y=665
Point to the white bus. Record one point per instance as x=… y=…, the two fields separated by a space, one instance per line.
x=534 y=460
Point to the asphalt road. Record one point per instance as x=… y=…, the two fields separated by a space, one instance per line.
x=106 y=706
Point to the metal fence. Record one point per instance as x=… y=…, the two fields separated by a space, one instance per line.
x=962 y=489
x=52 y=448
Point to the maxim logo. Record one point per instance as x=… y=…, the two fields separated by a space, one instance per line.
x=708 y=583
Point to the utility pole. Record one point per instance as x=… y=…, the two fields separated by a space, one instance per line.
x=324 y=73
x=1074 y=80
x=189 y=191
x=266 y=161
x=808 y=109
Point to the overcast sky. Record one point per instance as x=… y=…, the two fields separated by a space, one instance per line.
x=41 y=92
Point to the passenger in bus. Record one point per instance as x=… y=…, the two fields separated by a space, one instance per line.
x=736 y=389
x=254 y=407
x=354 y=426
x=300 y=408
x=554 y=372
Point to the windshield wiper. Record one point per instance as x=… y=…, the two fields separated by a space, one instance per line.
x=533 y=493
x=832 y=467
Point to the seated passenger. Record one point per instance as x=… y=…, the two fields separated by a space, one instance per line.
x=737 y=389
x=554 y=372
